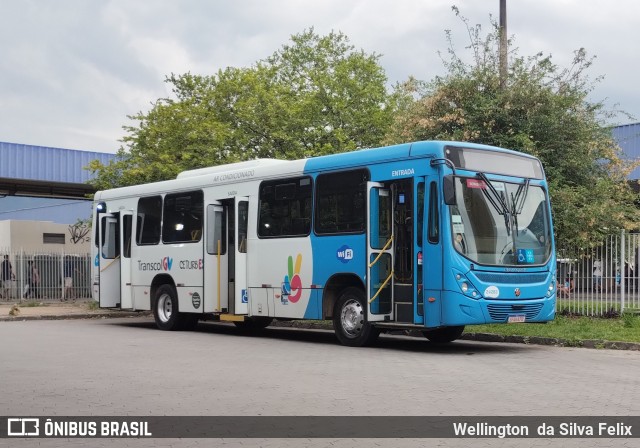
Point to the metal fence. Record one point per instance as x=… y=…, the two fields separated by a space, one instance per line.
x=44 y=276
x=601 y=281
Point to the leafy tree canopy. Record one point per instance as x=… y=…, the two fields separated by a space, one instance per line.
x=543 y=110
x=316 y=95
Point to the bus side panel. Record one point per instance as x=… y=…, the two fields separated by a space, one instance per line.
x=339 y=254
x=190 y=299
x=284 y=265
x=181 y=263
x=142 y=297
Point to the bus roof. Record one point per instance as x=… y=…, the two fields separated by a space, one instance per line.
x=266 y=168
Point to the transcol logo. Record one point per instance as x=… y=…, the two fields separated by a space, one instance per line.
x=163 y=265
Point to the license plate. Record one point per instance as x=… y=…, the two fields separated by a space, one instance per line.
x=516 y=318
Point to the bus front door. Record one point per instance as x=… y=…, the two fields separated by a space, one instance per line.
x=109 y=261
x=380 y=250
x=432 y=264
x=216 y=291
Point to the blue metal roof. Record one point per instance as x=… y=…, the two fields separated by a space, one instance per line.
x=628 y=137
x=18 y=161
x=46 y=164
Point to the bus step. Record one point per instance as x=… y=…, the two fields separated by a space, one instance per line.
x=231 y=318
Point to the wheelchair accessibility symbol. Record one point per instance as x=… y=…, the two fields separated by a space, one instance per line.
x=245 y=296
x=526 y=256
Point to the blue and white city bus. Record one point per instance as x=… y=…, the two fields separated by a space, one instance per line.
x=428 y=236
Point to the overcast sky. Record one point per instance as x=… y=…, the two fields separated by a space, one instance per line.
x=72 y=70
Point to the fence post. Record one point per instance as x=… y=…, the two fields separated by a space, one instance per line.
x=623 y=279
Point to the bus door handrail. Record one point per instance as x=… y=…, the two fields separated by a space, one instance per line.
x=381 y=288
x=382 y=251
x=386 y=246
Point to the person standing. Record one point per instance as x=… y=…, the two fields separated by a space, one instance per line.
x=597 y=275
x=69 y=270
x=33 y=280
x=7 y=276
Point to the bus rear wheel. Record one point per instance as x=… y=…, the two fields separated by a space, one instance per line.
x=165 y=310
x=350 y=319
x=444 y=335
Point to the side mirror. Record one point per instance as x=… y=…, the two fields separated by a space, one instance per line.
x=449 y=190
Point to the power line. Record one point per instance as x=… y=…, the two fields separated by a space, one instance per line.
x=39 y=207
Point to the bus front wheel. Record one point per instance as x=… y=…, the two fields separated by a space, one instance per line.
x=165 y=309
x=350 y=319
x=444 y=335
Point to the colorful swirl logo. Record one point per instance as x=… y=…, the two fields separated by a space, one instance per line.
x=292 y=285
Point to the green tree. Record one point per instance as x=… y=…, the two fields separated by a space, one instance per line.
x=314 y=96
x=543 y=110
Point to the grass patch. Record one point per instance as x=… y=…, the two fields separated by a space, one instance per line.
x=571 y=328
x=31 y=304
x=93 y=305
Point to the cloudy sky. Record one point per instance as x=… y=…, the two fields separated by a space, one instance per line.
x=72 y=70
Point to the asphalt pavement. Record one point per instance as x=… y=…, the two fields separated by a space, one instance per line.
x=86 y=309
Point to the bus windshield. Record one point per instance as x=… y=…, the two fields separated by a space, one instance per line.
x=500 y=223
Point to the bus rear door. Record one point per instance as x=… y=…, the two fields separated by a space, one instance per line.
x=240 y=297
x=216 y=294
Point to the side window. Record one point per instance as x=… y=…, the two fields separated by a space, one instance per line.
x=126 y=225
x=110 y=237
x=182 y=217
x=243 y=219
x=216 y=230
x=285 y=208
x=341 y=202
x=434 y=216
x=420 y=213
x=148 y=220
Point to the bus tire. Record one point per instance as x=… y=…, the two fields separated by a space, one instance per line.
x=444 y=335
x=350 y=319
x=165 y=309
x=254 y=323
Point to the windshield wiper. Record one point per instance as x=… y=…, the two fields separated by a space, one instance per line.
x=521 y=196
x=497 y=201
x=517 y=202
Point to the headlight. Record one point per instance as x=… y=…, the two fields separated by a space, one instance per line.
x=465 y=285
x=552 y=287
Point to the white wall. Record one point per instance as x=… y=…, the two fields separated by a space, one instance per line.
x=30 y=237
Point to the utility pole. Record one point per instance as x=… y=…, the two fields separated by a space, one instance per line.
x=503 y=43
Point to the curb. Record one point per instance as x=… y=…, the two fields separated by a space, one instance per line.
x=112 y=315
x=557 y=342
x=490 y=337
